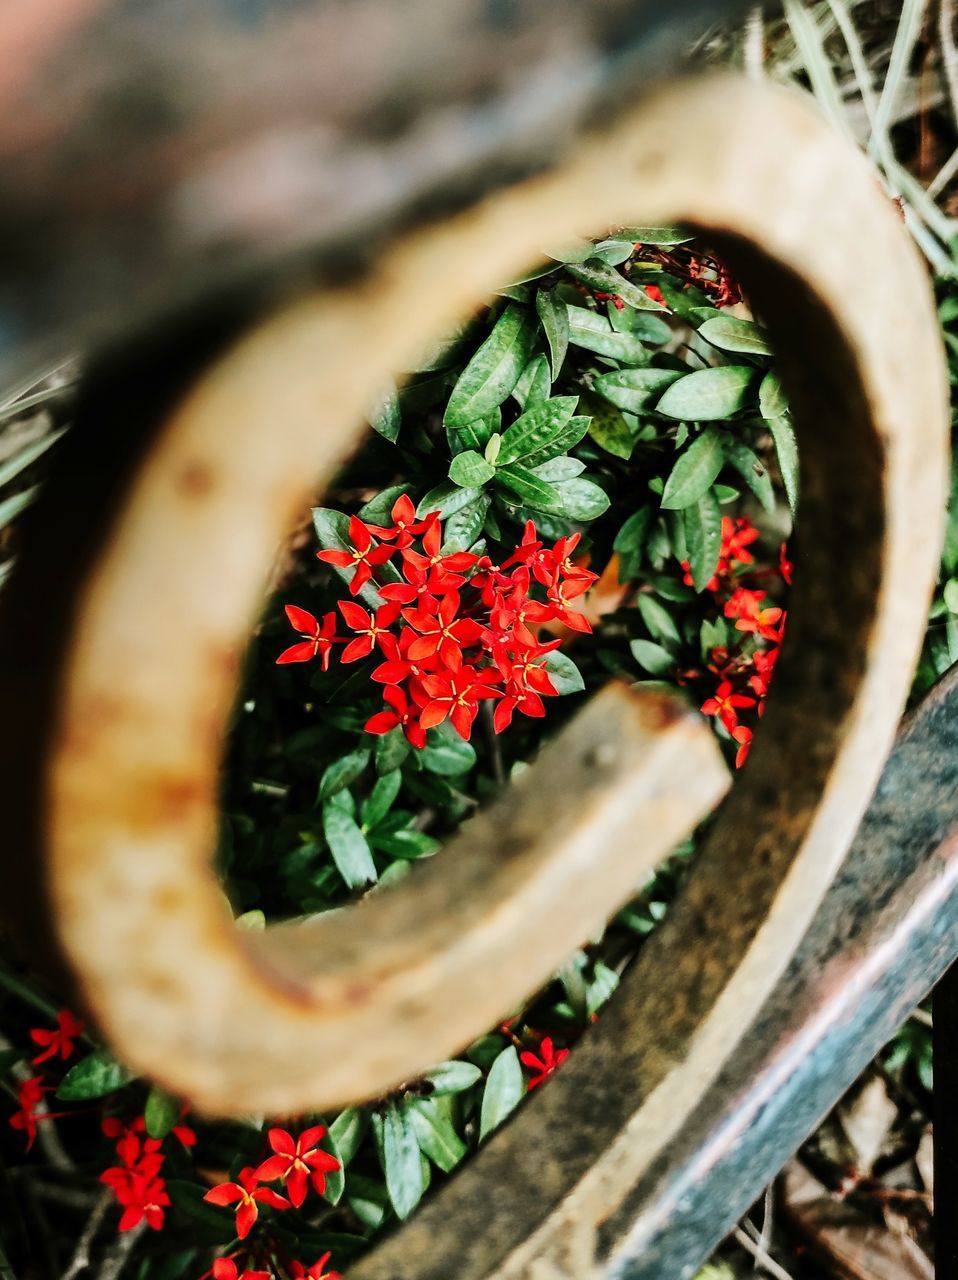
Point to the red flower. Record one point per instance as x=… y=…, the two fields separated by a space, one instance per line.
x=560 y=595
x=402 y=713
x=784 y=564
x=405 y=523
x=443 y=633
x=316 y=1271
x=318 y=640
x=764 y=664
x=141 y=1195
x=247 y=1195
x=29 y=1098
x=737 y=537
x=544 y=1066
x=298 y=1162
x=527 y=682
x=655 y=293
x=225 y=1269
x=743 y=736
x=364 y=558
x=726 y=704
x=457 y=694
x=59 y=1041
x=448 y=569
x=370 y=629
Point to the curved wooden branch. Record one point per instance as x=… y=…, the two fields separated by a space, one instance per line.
x=288 y=1025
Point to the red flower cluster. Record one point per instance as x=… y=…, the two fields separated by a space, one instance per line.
x=455 y=629
x=297 y=1163
x=30 y=1092
x=136 y=1180
x=701 y=269
x=743 y=676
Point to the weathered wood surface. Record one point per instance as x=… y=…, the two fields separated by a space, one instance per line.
x=154 y=153
x=130 y=790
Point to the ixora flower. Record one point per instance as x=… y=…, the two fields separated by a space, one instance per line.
x=318 y=637
x=363 y=558
x=29 y=1098
x=316 y=1272
x=401 y=712
x=726 y=704
x=298 y=1162
x=226 y=1269
x=142 y=1196
x=60 y=1041
x=247 y=1195
x=543 y=1066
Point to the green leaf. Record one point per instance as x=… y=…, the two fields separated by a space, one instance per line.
x=564 y=674
x=559 y=469
x=400 y=1160
x=342 y=772
x=504 y=1089
x=528 y=489
x=161 y=1112
x=385 y=417
x=570 y=435
x=494 y=370
x=652 y=657
x=368 y=1199
x=658 y=235
x=752 y=470
x=771 y=398
x=694 y=471
x=596 y=275
x=536 y=429
x=464 y=527
x=641 y=324
x=470 y=470
x=593 y=332
x=378 y=803
x=602 y=986
x=703 y=538
x=709 y=394
x=474 y=435
x=378 y=510
x=635 y=389
x=555 y=325
x=335 y=1179
x=454 y=1076
x=348 y=846
x=535 y=385
x=447 y=498
x=658 y=619
x=786 y=448
x=630 y=542
x=447 y=755
x=92 y=1077
x=728 y=333
x=434 y=1132
x=391 y=750
x=581 y=499
x=405 y=844
x=614 y=251
x=608 y=427
x=347 y=1131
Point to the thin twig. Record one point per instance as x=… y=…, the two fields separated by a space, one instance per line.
x=81 y=1255
x=759 y=1254
x=119 y=1254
